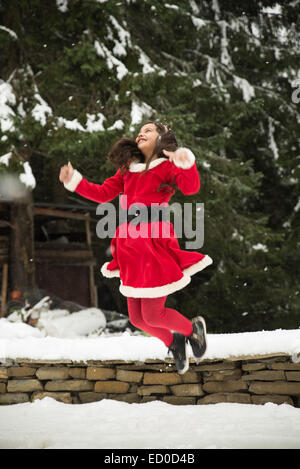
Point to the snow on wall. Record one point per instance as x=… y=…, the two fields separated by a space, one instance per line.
x=19 y=340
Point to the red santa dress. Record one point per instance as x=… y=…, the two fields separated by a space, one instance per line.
x=147 y=257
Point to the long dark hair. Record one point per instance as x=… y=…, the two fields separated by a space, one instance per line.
x=123 y=152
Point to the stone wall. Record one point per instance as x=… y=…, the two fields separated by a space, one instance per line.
x=248 y=380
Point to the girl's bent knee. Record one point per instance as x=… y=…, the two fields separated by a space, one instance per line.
x=152 y=318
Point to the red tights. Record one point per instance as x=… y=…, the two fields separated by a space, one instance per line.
x=151 y=315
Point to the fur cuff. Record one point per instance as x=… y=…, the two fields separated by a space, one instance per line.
x=185 y=164
x=75 y=180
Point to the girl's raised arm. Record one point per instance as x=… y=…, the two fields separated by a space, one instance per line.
x=75 y=182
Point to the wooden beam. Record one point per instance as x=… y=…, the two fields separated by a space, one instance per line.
x=21 y=244
x=60 y=254
x=64 y=261
x=88 y=232
x=4 y=289
x=60 y=213
x=92 y=285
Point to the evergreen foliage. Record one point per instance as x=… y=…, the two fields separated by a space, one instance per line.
x=78 y=74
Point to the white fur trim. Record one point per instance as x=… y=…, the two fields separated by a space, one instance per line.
x=185 y=164
x=193 y=269
x=75 y=180
x=109 y=273
x=135 y=167
x=155 y=292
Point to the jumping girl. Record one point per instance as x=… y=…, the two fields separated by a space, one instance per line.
x=150 y=267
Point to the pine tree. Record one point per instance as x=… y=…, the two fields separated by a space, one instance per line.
x=77 y=75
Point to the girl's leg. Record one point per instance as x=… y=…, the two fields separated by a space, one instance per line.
x=155 y=314
x=136 y=318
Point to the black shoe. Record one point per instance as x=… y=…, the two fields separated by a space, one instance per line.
x=179 y=351
x=198 y=338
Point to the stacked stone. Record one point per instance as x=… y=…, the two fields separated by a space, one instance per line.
x=252 y=380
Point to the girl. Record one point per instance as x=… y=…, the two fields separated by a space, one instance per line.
x=150 y=267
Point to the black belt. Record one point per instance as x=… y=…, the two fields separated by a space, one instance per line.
x=144 y=214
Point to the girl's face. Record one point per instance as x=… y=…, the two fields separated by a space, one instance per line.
x=146 y=139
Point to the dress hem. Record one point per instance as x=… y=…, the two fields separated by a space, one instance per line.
x=163 y=290
x=194 y=268
x=109 y=273
x=155 y=292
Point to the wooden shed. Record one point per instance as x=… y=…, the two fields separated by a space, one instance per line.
x=63 y=264
x=66 y=268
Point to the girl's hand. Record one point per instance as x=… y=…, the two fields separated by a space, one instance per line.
x=180 y=156
x=66 y=173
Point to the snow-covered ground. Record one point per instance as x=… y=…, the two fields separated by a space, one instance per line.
x=111 y=424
